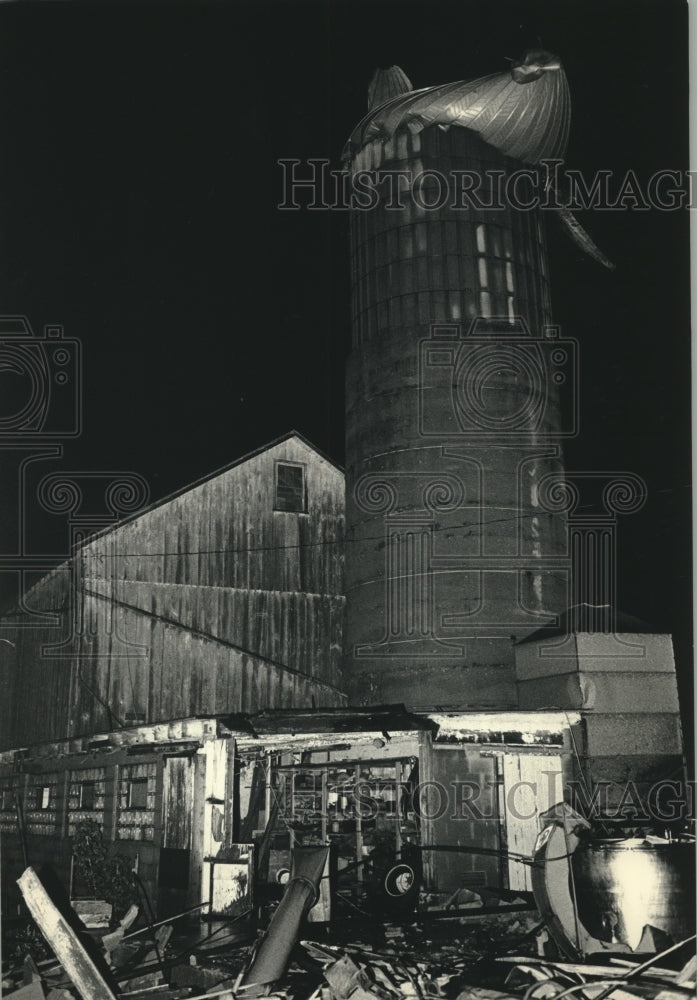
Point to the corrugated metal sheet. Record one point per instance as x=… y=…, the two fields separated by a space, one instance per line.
x=386 y=84
x=528 y=121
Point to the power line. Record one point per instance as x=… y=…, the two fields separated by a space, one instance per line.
x=319 y=543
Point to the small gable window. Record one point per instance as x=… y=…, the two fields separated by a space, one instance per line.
x=290 y=488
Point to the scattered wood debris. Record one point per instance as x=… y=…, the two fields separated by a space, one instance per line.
x=88 y=980
x=112 y=940
x=354 y=973
x=503 y=957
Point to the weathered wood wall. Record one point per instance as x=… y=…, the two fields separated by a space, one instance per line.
x=212 y=602
x=225 y=532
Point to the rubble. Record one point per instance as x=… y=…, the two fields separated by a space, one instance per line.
x=399 y=971
x=112 y=940
x=83 y=972
x=478 y=956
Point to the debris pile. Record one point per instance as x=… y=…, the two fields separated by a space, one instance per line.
x=495 y=957
x=357 y=974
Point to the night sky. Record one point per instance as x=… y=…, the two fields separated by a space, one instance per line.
x=138 y=207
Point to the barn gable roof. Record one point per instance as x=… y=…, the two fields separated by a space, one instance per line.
x=11 y=607
x=290 y=435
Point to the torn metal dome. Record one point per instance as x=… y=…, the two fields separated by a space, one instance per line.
x=386 y=84
x=524 y=113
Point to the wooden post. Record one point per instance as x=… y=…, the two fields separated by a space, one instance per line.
x=111 y=800
x=63 y=939
x=325 y=803
x=231 y=820
x=199 y=889
x=397 y=800
x=21 y=828
x=359 y=824
x=62 y=804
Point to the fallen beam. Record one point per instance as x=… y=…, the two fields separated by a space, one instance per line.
x=301 y=892
x=63 y=940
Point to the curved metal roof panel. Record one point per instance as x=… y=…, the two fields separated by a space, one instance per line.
x=386 y=84
x=528 y=120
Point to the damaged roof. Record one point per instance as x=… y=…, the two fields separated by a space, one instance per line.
x=352 y=719
x=524 y=112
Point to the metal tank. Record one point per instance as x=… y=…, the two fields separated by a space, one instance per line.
x=623 y=886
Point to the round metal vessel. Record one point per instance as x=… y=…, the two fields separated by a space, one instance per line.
x=624 y=885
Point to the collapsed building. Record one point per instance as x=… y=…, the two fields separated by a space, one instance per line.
x=281 y=656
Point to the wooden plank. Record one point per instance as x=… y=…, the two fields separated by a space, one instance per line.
x=30 y=991
x=198 y=890
x=688 y=973
x=63 y=940
x=177 y=802
x=532 y=784
x=229 y=807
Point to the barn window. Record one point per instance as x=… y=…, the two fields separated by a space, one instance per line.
x=87 y=795
x=138 y=793
x=290 y=488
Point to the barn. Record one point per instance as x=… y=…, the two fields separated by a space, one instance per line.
x=227 y=597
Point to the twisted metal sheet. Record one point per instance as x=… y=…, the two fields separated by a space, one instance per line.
x=528 y=121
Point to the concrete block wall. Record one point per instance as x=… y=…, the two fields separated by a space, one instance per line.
x=626 y=691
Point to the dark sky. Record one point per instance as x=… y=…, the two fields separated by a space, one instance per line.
x=138 y=193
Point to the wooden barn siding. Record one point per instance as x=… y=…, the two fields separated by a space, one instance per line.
x=304 y=631
x=225 y=533
x=162 y=671
x=292 y=613
x=221 y=560
x=177 y=801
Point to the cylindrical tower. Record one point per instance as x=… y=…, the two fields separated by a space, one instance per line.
x=453 y=416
